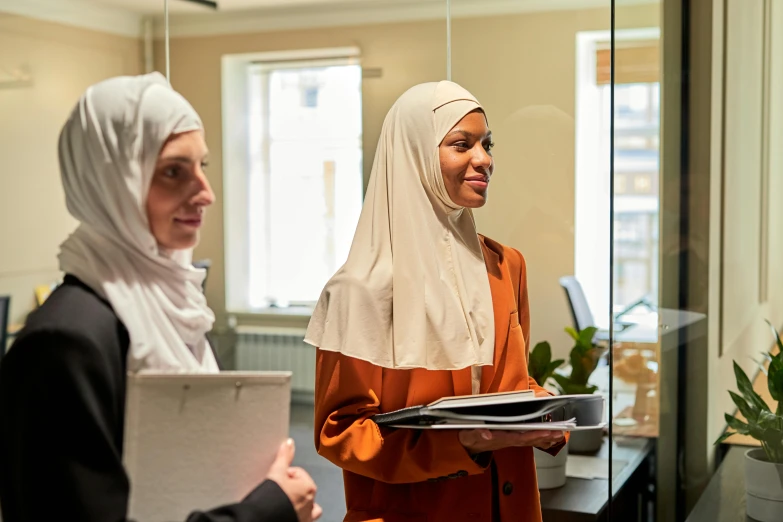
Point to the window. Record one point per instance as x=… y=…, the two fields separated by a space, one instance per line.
x=297 y=176
x=636 y=166
x=637 y=113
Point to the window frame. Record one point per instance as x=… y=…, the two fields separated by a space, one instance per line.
x=236 y=77
x=591 y=189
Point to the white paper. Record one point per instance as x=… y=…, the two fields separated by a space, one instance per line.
x=549 y=426
x=196 y=442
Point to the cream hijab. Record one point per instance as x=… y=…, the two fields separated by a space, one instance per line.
x=414 y=292
x=108 y=150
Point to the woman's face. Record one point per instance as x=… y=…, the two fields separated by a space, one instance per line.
x=179 y=192
x=466 y=160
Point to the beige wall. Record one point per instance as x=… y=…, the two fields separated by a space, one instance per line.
x=63 y=61
x=522 y=67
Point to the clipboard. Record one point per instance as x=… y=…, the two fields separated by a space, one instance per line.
x=199 y=441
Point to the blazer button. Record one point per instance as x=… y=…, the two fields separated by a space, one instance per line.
x=508 y=488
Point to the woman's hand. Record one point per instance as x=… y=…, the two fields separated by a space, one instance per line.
x=479 y=441
x=295 y=483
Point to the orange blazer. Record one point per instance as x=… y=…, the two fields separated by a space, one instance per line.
x=396 y=475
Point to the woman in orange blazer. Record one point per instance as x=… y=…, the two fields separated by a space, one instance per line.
x=426 y=308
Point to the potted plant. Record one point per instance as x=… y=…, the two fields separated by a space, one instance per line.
x=541 y=366
x=584 y=359
x=763 y=466
x=551 y=470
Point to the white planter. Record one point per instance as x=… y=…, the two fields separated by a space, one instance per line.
x=551 y=470
x=586 y=441
x=764 y=487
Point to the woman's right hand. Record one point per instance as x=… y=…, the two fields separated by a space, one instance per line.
x=295 y=483
x=480 y=441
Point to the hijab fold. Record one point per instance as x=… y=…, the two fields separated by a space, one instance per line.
x=414 y=292
x=108 y=150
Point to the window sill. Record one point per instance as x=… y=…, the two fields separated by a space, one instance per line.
x=284 y=317
x=290 y=311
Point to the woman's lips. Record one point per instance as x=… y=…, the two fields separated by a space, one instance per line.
x=194 y=222
x=480 y=182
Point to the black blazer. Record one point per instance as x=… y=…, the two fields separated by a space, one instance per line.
x=62 y=411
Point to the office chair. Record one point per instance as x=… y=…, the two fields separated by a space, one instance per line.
x=583 y=317
x=577 y=302
x=5 y=310
x=580 y=310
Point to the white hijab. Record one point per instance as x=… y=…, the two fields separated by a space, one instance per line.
x=108 y=151
x=414 y=292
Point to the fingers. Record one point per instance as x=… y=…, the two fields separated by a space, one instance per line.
x=490 y=440
x=528 y=438
x=303 y=477
x=285 y=456
x=317 y=512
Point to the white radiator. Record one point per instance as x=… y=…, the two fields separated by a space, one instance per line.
x=277 y=349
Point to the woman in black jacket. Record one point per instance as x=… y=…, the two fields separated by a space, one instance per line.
x=132 y=158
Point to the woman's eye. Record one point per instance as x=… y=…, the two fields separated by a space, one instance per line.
x=204 y=165
x=489 y=146
x=461 y=145
x=172 y=172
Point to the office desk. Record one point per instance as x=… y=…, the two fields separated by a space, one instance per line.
x=583 y=500
x=670 y=325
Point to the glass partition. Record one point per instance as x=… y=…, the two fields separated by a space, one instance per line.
x=543 y=74
x=695 y=240
x=645 y=399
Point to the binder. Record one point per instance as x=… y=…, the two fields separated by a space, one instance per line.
x=196 y=442
x=518 y=411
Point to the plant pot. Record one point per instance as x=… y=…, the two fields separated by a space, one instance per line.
x=586 y=441
x=551 y=470
x=764 y=487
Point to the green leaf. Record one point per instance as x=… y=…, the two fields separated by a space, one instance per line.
x=568 y=387
x=586 y=337
x=557 y=363
x=572 y=332
x=724 y=437
x=737 y=425
x=746 y=389
x=539 y=361
x=775 y=372
x=777 y=336
x=746 y=409
x=549 y=370
x=770 y=421
x=775 y=378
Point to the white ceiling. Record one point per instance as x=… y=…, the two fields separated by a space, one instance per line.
x=183 y=6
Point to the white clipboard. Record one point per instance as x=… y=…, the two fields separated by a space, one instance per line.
x=196 y=442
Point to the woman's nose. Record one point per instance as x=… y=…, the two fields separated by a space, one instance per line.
x=482 y=160
x=204 y=196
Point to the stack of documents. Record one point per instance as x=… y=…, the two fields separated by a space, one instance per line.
x=517 y=411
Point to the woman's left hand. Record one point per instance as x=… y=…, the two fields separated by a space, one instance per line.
x=557 y=436
x=483 y=440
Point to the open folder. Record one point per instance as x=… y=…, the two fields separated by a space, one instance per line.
x=196 y=442
x=518 y=411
